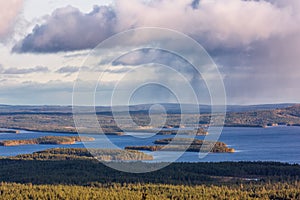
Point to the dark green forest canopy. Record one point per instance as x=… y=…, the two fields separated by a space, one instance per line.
x=87 y=171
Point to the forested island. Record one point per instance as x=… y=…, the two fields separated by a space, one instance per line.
x=47 y=140
x=185 y=144
x=170 y=131
x=198 y=131
x=83 y=153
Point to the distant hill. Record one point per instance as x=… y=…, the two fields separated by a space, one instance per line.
x=170 y=108
x=60 y=119
x=279 y=116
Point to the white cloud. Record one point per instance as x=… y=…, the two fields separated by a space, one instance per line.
x=216 y=23
x=8 y=13
x=230 y=23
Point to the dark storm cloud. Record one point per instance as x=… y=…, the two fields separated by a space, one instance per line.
x=68 y=29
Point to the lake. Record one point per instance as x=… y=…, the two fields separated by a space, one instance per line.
x=280 y=143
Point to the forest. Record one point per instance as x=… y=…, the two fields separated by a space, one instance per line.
x=81 y=170
x=75 y=174
x=149 y=191
x=82 y=178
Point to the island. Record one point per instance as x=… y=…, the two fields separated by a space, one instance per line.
x=185 y=144
x=199 y=131
x=86 y=154
x=169 y=131
x=9 y=131
x=47 y=140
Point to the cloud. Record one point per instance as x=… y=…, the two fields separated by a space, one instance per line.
x=8 y=13
x=68 y=29
x=68 y=69
x=13 y=70
x=255 y=43
x=162 y=57
x=214 y=23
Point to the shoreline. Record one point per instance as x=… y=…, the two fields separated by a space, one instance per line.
x=14 y=130
x=58 y=131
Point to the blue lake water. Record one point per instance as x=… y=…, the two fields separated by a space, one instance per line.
x=251 y=144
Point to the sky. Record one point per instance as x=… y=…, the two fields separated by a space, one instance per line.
x=44 y=45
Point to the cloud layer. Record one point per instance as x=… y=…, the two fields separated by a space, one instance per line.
x=256 y=43
x=212 y=22
x=220 y=23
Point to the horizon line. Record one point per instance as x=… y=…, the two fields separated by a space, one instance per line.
x=122 y=105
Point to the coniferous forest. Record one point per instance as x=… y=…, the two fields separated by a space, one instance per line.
x=80 y=177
